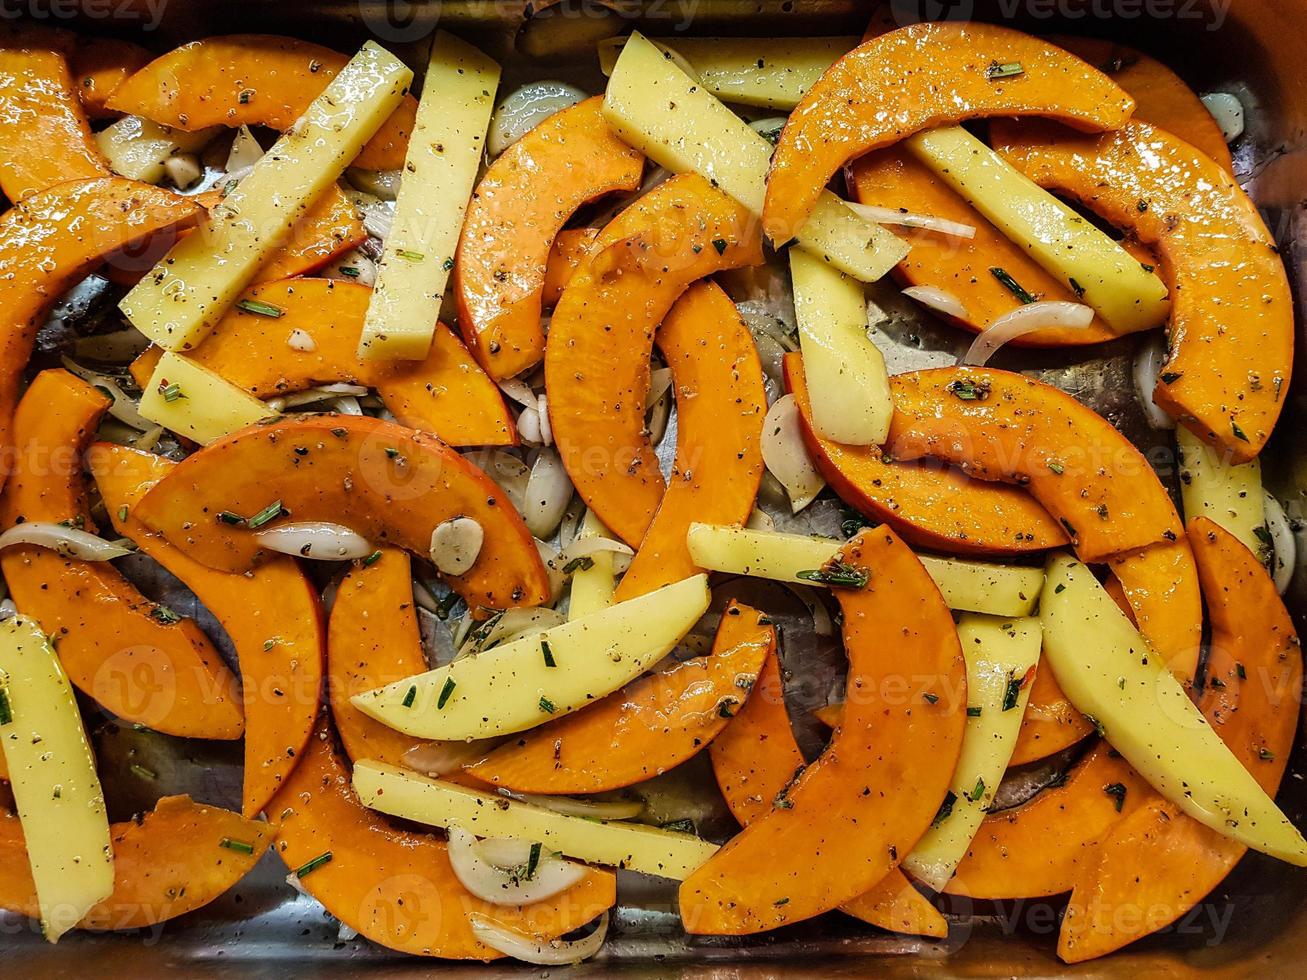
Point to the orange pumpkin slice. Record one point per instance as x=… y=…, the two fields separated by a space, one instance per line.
x=756 y=757
x=720 y=404
x=447 y=393
x=99 y=66
x=272 y=616
x=997 y=425
x=250 y=80
x=596 y=360
x=518 y=209
x=932 y=506
x=646 y=728
x=391 y=484
x=397 y=887
x=1158 y=863
x=139 y=660
x=51 y=241
x=1231 y=328
x=919 y=78
x=571 y=247
x=830 y=834
x=177 y=858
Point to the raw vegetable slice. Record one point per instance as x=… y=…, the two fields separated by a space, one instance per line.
x=1003 y=426
x=51 y=241
x=919 y=78
x=138 y=148
x=251 y=80
x=632 y=846
x=99 y=66
x=329 y=228
x=1159 y=858
x=673 y=120
x=286 y=336
x=756 y=757
x=56 y=790
x=1149 y=718
x=388 y=483
x=829 y=835
x=44 y=136
x=930 y=506
x=596 y=360
x=526 y=682
x=1051 y=722
x=139 y=660
x=187 y=398
x=1231 y=328
x=720 y=404
x=592 y=582
x=514 y=220
x=440 y=170
x=272 y=617
x=175 y=859
x=1229 y=494
x=394 y=886
x=647 y=727
x=572 y=246
x=191 y=288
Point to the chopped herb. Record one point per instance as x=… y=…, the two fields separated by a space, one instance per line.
x=967 y=390
x=1117 y=791
x=410 y=695
x=170 y=392
x=931 y=698
x=6 y=707
x=243 y=847
x=1012 y=286
x=1265 y=754
x=445 y=692
x=143 y=772
x=683 y=826
x=1171 y=377
x=1216 y=682
x=547 y=653
x=945 y=808
x=447 y=602
x=726 y=707
x=1007 y=69
x=1142 y=205
x=349 y=270
x=269 y=513
x=978 y=790
x=408 y=253
x=533 y=860
x=781 y=901
x=973 y=711
x=246 y=95
x=838 y=574
x=582 y=564
x=1238 y=432
x=720 y=245
x=852 y=523
x=165 y=615
x=227 y=517
x=1099 y=727
x=372 y=559
x=260 y=308
x=547 y=706
x=1059 y=588
x=271 y=642
x=1239 y=669
x=1057 y=468
x=1076 y=288
x=391 y=452
x=449 y=263
x=309 y=867
x=123 y=512
x=1013 y=692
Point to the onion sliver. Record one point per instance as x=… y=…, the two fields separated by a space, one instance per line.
x=498 y=887
x=555 y=952
x=67 y=541
x=1026 y=319
x=566 y=805
x=117 y=347
x=123 y=408
x=1284 y=546
x=525 y=108
x=548 y=492
x=939 y=300
x=315 y=539
x=1228 y=112
x=505 y=469
x=519 y=391
x=584 y=547
x=442 y=758
x=909 y=219
x=787 y=457
x=514 y=624
x=1148 y=365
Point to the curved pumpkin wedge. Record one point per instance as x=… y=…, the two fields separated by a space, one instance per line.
x=596 y=363
x=1051 y=722
x=44 y=136
x=272 y=616
x=1160 y=861
x=51 y=241
x=250 y=80
x=173 y=860
x=394 y=886
x=998 y=425
x=391 y=484
x=721 y=403
x=922 y=77
x=571 y=247
x=519 y=207
x=1231 y=327
x=646 y=728
x=99 y=66
x=139 y=660
x=447 y=393
x=756 y=757
x=830 y=834
x=932 y=506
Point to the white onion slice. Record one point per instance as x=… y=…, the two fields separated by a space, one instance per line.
x=550 y=876
x=787 y=457
x=760 y=520
x=514 y=624
x=548 y=492
x=245 y=152
x=1284 y=546
x=525 y=108
x=584 y=547
x=70 y=542
x=1228 y=112
x=660 y=379
x=505 y=469
x=1148 y=365
x=566 y=805
x=822 y=624
x=456 y=544
x=378 y=218
x=542 y=411
x=910 y=219
x=123 y=408
x=519 y=391
x=528 y=427
x=117 y=347
x=382 y=184
x=939 y=300
x=315 y=539
x=1025 y=319
x=301 y=340
x=549 y=554
x=555 y=952
x=442 y=758
x=346 y=405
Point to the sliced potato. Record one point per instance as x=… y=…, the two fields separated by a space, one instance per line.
x=527 y=682
x=52 y=775
x=187 y=398
x=181 y=299
x=594 y=584
x=138 y=148
x=1110 y=673
x=637 y=847
x=444 y=152
x=1127 y=296
x=974 y=586
x=1000 y=654
x=677 y=123
x=1229 y=494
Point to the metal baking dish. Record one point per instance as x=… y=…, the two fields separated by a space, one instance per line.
x=1254 y=925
